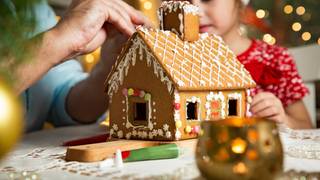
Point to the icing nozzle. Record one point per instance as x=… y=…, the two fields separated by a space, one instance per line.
x=118 y=162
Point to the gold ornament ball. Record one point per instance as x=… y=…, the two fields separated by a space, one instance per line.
x=11 y=124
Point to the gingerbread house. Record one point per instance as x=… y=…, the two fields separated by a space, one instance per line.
x=166 y=81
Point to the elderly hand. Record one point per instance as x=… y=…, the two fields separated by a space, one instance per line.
x=83 y=27
x=267 y=105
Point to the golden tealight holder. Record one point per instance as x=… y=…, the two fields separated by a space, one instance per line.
x=239 y=148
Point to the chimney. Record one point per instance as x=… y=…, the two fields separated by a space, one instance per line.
x=180 y=17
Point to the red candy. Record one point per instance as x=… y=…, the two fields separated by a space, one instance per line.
x=177 y=106
x=136 y=92
x=196 y=129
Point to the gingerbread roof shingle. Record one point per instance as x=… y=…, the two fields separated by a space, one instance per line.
x=206 y=64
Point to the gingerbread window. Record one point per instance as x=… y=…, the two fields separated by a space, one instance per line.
x=233 y=107
x=193 y=109
x=138 y=111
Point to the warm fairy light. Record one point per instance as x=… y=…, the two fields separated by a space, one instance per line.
x=5 y=106
x=268 y=38
x=252 y=136
x=260 y=13
x=306 y=36
x=222 y=155
x=319 y=41
x=288 y=9
x=238 y=146
x=300 y=10
x=252 y=155
x=296 y=26
x=240 y=168
x=89 y=58
x=273 y=41
x=147 y=5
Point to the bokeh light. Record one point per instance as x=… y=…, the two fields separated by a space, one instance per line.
x=296 y=26
x=300 y=10
x=306 y=36
x=288 y=9
x=260 y=13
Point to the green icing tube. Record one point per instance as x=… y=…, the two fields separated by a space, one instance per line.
x=167 y=151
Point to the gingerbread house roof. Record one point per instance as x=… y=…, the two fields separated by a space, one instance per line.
x=205 y=64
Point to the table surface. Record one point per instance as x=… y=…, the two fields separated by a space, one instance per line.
x=41 y=153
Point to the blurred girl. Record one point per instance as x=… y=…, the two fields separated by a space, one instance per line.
x=279 y=92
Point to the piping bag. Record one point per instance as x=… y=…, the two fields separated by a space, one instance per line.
x=166 y=151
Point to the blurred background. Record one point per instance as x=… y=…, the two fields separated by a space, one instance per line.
x=294 y=24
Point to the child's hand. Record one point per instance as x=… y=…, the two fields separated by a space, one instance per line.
x=267 y=105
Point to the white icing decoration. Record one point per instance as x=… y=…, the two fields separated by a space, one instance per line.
x=144 y=134
x=160 y=132
x=134 y=133
x=150 y=135
x=120 y=134
x=165 y=127
x=150 y=126
x=178 y=135
x=115 y=127
x=111 y=131
x=168 y=134
x=155 y=132
x=128 y=135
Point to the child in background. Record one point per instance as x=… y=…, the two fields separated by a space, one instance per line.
x=279 y=92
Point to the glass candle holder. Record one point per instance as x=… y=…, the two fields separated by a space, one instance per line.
x=239 y=148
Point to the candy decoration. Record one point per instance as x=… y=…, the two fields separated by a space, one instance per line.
x=136 y=92
x=130 y=92
x=215 y=114
x=125 y=91
x=147 y=97
x=215 y=104
x=142 y=93
x=178 y=124
x=188 y=129
x=196 y=129
x=177 y=106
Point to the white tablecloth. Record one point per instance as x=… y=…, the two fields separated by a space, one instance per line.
x=40 y=153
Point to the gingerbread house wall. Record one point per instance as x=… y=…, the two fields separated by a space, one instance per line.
x=142 y=77
x=205 y=100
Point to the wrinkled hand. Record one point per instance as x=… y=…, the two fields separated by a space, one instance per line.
x=111 y=48
x=83 y=27
x=267 y=105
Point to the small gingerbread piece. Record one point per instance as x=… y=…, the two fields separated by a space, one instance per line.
x=180 y=17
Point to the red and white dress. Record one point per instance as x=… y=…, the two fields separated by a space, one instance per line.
x=274 y=70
